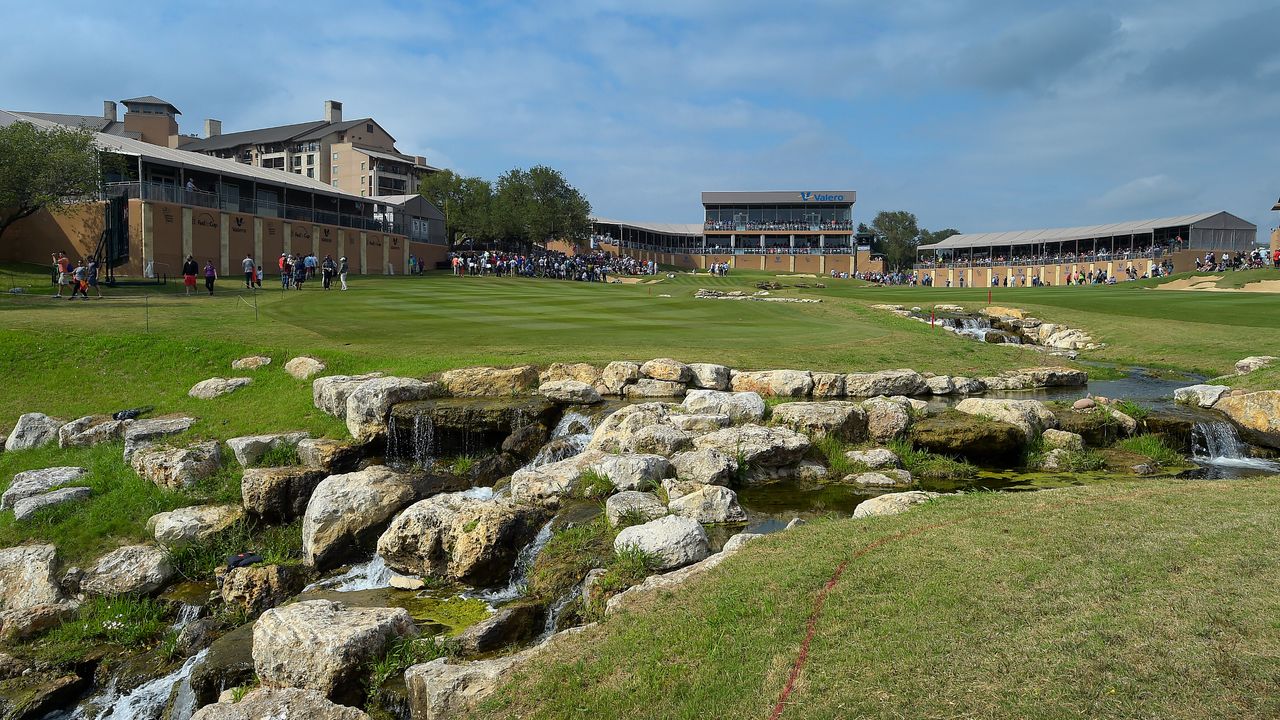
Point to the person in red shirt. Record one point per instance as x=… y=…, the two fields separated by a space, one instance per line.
x=63 y=264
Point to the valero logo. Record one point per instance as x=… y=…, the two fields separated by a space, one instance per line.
x=820 y=197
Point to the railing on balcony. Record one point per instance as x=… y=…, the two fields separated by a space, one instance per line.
x=165 y=192
x=1055 y=259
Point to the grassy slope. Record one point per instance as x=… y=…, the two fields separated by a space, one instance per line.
x=1138 y=600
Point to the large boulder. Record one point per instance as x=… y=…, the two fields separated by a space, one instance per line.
x=91 y=430
x=324 y=646
x=304 y=368
x=1202 y=395
x=25 y=508
x=130 y=570
x=889 y=479
x=632 y=472
x=509 y=626
x=665 y=440
x=615 y=431
x=32 y=430
x=329 y=394
x=617 y=375
x=442 y=691
x=258 y=587
x=699 y=423
x=281 y=703
x=279 y=494
x=757 y=446
x=1031 y=417
x=369 y=404
x=886 y=419
x=142 y=433
x=550 y=482
x=873 y=459
x=31 y=483
x=739 y=406
x=1256 y=362
x=774 y=383
x=580 y=372
x=828 y=386
x=940 y=385
x=459 y=537
x=193 y=524
x=178 y=468
x=1256 y=414
x=671 y=541
x=836 y=418
x=885 y=382
x=1061 y=439
x=645 y=388
x=217 y=387
x=977 y=439
x=630 y=504
x=709 y=376
x=709 y=505
x=249 y=449
x=490 y=382
x=329 y=454
x=346 y=512
x=569 y=392
x=28 y=577
x=891 y=503
x=707 y=466
x=667 y=370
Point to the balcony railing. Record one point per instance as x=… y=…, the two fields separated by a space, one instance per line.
x=1063 y=259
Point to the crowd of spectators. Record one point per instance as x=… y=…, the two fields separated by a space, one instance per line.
x=593 y=267
x=765 y=225
x=986 y=260
x=1213 y=262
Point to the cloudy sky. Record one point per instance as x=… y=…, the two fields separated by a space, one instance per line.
x=975 y=114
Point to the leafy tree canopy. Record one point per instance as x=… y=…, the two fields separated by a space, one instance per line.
x=524 y=206
x=44 y=170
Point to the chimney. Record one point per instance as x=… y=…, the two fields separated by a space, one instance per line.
x=212 y=128
x=109 y=110
x=332 y=111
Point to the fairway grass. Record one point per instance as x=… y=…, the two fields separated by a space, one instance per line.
x=1131 y=600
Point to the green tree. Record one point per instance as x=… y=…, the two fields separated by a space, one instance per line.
x=538 y=205
x=465 y=202
x=929 y=237
x=45 y=170
x=898 y=232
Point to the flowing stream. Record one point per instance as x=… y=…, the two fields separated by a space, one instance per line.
x=1218 y=444
x=147 y=701
x=520 y=570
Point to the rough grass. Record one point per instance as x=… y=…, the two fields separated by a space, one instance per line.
x=277 y=544
x=1153 y=448
x=568 y=556
x=1155 y=599
x=402 y=654
x=922 y=463
x=1084 y=460
x=123 y=621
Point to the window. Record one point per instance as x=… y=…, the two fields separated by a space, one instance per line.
x=362 y=193
x=311 y=172
x=368 y=127
x=335 y=170
x=296 y=161
x=364 y=165
x=311 y=159
x=335 y=183
x=364 y=179
x=335 y=156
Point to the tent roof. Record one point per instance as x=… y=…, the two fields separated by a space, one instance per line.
x=664 y=228
x=1088 y=232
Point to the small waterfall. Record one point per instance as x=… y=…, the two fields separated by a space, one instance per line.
x=569 y=438
x=419 y=447
x=147 y=701
x=187 y=614
x=976 y=328
x=1218 y=443
x=520 y=570
x=556 y=609
x=371 y=575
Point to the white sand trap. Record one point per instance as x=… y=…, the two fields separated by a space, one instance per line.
x=1207 y=284
x=1191 y=283
x=795 y=276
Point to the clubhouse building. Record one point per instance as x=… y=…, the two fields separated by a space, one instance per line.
x=1053 y=254
x=809 y=231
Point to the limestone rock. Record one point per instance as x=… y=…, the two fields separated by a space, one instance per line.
x=873 y=459
x=217 y=387
x=30 y=483
x=888 y=479
x=1257 y=414
x=130 y=570
x=739 y=406
x=709 y=505
x=329 y=394
x=650 y=388
x=646 y=506
x=19 y=624
x=828 y=386
x=662 y=440
x=616 y=430
x=886 y=419
x=441 y=691
x=370 y=403
x=490 y=382
x=1256 y=362
x=26 y=507
x=91 y=430
x=259 y=587
x=997 y=311
x=892 y=503
x=178 y=468
x=968 y=386
x=304 y=368
x=707 y=466
x=250 y=448
x=508 y=626
x=1029 y=416
x=885 y=382
x=142 y=433
x=836 y=418
x=571 y=392
x=667 y=581
x=347 y=511
x=666 y=369
x=941 y=385
x=632 y=471
x=329 y=454
x=28 y=577
x=462 y=538
x=32 y=430
x=673 y=541
x=977 y=439
x=581 y=372
x=279 y=494
x=617 y=375
x=774 y=383
x=1200 y=395
x=699 y=424
x=252 y=362
x=1062 y=439
x=324 y=645
x=552 y=481
x=193 y=524
x=281 y=704
x=1084 y=404
x=761 y=447
x=1056 y=460
x=709 y=376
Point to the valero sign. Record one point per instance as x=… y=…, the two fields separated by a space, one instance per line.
x=820 y=197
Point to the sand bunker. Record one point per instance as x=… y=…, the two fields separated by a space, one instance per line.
x=1208 y=284
x=796 y=276
x=1191 y=283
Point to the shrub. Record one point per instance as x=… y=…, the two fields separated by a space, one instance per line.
x=832 y=454
x=1153 y=448
x=1132 y=409
x=629 y=566
x=1084 y=461
x=922 y=463
x=462 y=465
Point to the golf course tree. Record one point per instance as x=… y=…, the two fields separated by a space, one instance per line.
x=534 y=206
x=465 y=201
x=44 y=169
x=898 y=234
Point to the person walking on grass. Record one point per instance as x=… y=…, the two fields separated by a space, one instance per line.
x=93 y=277
x=329 y=269
x=257 y=278
x=250 y=271
x=190 y=269
x=299 y=273
x=62 y=266
x=210 y=274
x=342 y=272
x=79 y=282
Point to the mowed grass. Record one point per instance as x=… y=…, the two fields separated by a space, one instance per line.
x=1119 y=601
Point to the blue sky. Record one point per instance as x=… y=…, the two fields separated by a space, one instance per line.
x=975 y=114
